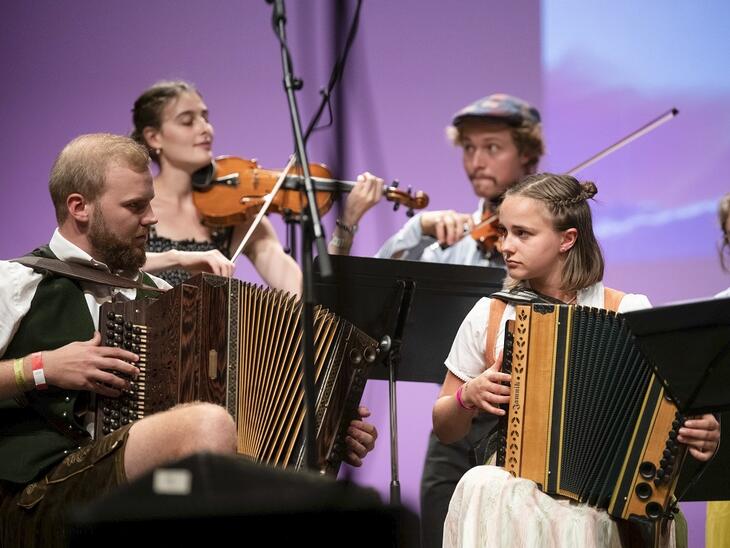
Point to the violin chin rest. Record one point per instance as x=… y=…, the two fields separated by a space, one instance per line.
x=203 y=178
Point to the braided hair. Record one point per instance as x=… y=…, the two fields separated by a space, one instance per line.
x=566 y=199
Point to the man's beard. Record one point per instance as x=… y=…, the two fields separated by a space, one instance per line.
x=117 y=254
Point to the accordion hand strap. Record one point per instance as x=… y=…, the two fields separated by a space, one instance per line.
x=612 y=299
x=496 y=311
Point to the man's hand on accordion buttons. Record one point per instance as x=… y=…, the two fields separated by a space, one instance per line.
x=86 y=365
x=701 y=435
x=360 y=438
x=488 y=390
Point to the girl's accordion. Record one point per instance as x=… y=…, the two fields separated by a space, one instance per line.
x=588 y=419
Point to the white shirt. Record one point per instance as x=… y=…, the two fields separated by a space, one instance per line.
x=412 y=244
x=466 y=358
x=19 y=284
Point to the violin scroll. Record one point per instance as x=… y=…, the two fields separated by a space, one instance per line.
x=406 y=198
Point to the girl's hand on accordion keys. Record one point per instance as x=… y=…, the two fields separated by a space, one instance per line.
x=701 y=435
x=488 y=390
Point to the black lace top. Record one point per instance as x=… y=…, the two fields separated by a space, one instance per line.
x=219 y=239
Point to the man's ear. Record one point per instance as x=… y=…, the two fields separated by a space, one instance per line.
x=568 y=239
x=79 y=208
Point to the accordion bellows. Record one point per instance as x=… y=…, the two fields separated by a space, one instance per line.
x=588 y=419
x=228 y=342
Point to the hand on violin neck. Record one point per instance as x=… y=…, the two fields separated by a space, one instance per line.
x=448 y=227
x=365 y=194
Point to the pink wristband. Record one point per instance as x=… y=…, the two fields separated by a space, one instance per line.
x=39 y=377
x=460 y=401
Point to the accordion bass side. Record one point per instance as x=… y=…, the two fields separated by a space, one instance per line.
x=588 y=419
x=234 y=344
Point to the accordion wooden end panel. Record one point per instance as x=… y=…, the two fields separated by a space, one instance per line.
x=237 y=345
x=587 y=417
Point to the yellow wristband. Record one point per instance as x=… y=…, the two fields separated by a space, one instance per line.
x=19 y=374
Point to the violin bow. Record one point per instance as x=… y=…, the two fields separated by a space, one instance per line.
x=651 y=126
x=264 y=208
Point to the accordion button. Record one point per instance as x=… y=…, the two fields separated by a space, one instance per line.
x=660 y=473
x=370 y=354
x=355 y=356
x=644 y=490
x=653 y=510
x=647 y=470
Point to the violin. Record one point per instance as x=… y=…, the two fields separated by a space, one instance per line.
x=486 y=234
x=231 y=190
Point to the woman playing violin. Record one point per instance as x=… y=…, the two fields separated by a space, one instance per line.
x=171 y=120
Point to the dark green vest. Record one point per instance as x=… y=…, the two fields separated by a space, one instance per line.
x=29 y=444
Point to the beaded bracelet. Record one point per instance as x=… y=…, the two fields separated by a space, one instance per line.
x=350 y=229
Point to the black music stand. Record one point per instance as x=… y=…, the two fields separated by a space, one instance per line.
x=688 y=344
x=414 y=309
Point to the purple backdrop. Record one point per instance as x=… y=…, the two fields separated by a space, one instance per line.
x=74 y=68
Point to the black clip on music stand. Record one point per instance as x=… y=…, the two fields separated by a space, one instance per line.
x=688 y=344
x=414 y=309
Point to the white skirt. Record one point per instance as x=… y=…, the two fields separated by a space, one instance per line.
x=490 y=508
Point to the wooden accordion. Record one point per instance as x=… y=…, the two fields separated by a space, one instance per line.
x=588 y=418
x=227 y=342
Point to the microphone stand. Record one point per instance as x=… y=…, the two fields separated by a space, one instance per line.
x=312 y=232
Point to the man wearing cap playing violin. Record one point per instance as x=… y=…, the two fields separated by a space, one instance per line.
x=501 y=141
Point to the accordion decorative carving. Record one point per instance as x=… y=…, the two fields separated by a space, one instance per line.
x=587 y=417
x=232 y=343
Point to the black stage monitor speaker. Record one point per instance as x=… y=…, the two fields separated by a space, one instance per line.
x=207 y=498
